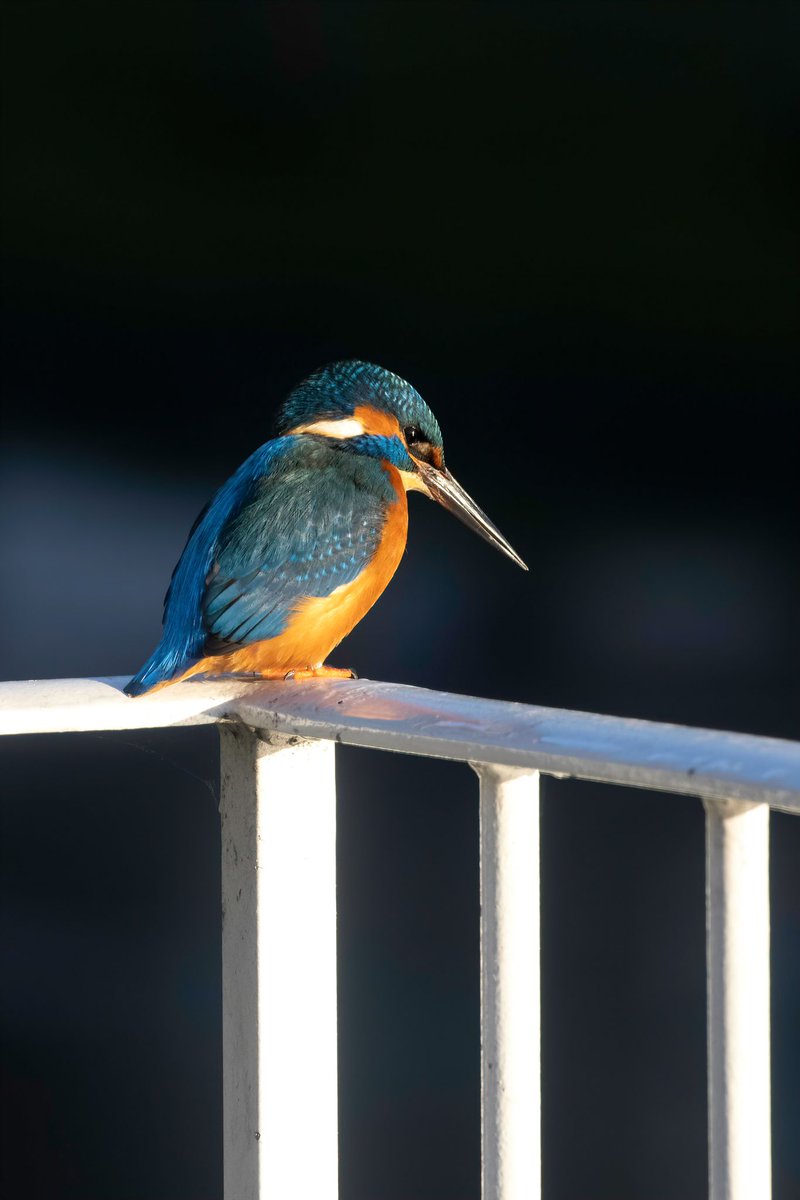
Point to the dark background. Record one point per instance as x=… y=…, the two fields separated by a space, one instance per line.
x=573 y=228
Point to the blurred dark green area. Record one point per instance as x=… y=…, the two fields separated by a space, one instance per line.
x=574 y=228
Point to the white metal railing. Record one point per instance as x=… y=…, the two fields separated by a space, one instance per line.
x=279 y=903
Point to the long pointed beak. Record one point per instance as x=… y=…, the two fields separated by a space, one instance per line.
x=450 y=494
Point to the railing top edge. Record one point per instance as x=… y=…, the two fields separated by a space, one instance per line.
x=672 y=758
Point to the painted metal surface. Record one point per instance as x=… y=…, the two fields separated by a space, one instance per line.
x=280 y=1114
x=737 y=930
x=82 y=705
x=674 y=758
x=510 y=984
x=278 y=807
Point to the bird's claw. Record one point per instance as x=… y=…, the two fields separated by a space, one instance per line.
x=300 y=673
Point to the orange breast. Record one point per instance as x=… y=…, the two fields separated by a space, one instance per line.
x=320 y=622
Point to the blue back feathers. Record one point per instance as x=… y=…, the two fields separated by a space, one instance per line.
x=301 y=516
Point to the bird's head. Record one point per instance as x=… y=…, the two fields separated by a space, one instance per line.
x=370 y=411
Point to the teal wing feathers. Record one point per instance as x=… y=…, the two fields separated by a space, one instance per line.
x=298 y=519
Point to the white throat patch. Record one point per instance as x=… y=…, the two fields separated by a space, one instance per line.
x=413 y=482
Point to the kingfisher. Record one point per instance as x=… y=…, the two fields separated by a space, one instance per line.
x=296 y=547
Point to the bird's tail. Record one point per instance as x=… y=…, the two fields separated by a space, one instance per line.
x=160 y=668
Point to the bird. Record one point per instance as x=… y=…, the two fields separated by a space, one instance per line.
x=296 y=547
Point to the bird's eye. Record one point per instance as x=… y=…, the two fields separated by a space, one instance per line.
x=420 y=446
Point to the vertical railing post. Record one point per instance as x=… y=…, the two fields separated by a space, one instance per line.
x=278 y=807
x=737 y=928
x=510 y=1007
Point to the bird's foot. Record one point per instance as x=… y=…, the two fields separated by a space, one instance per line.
x=301 y=673
x=247 y=676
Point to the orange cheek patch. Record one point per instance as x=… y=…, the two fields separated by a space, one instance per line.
x=377 y=422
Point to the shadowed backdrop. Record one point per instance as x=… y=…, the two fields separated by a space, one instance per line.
x=573 y=228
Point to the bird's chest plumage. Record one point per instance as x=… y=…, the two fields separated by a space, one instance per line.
x=320 y=623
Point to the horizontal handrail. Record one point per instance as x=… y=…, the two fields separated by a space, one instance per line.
x=387 y=716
